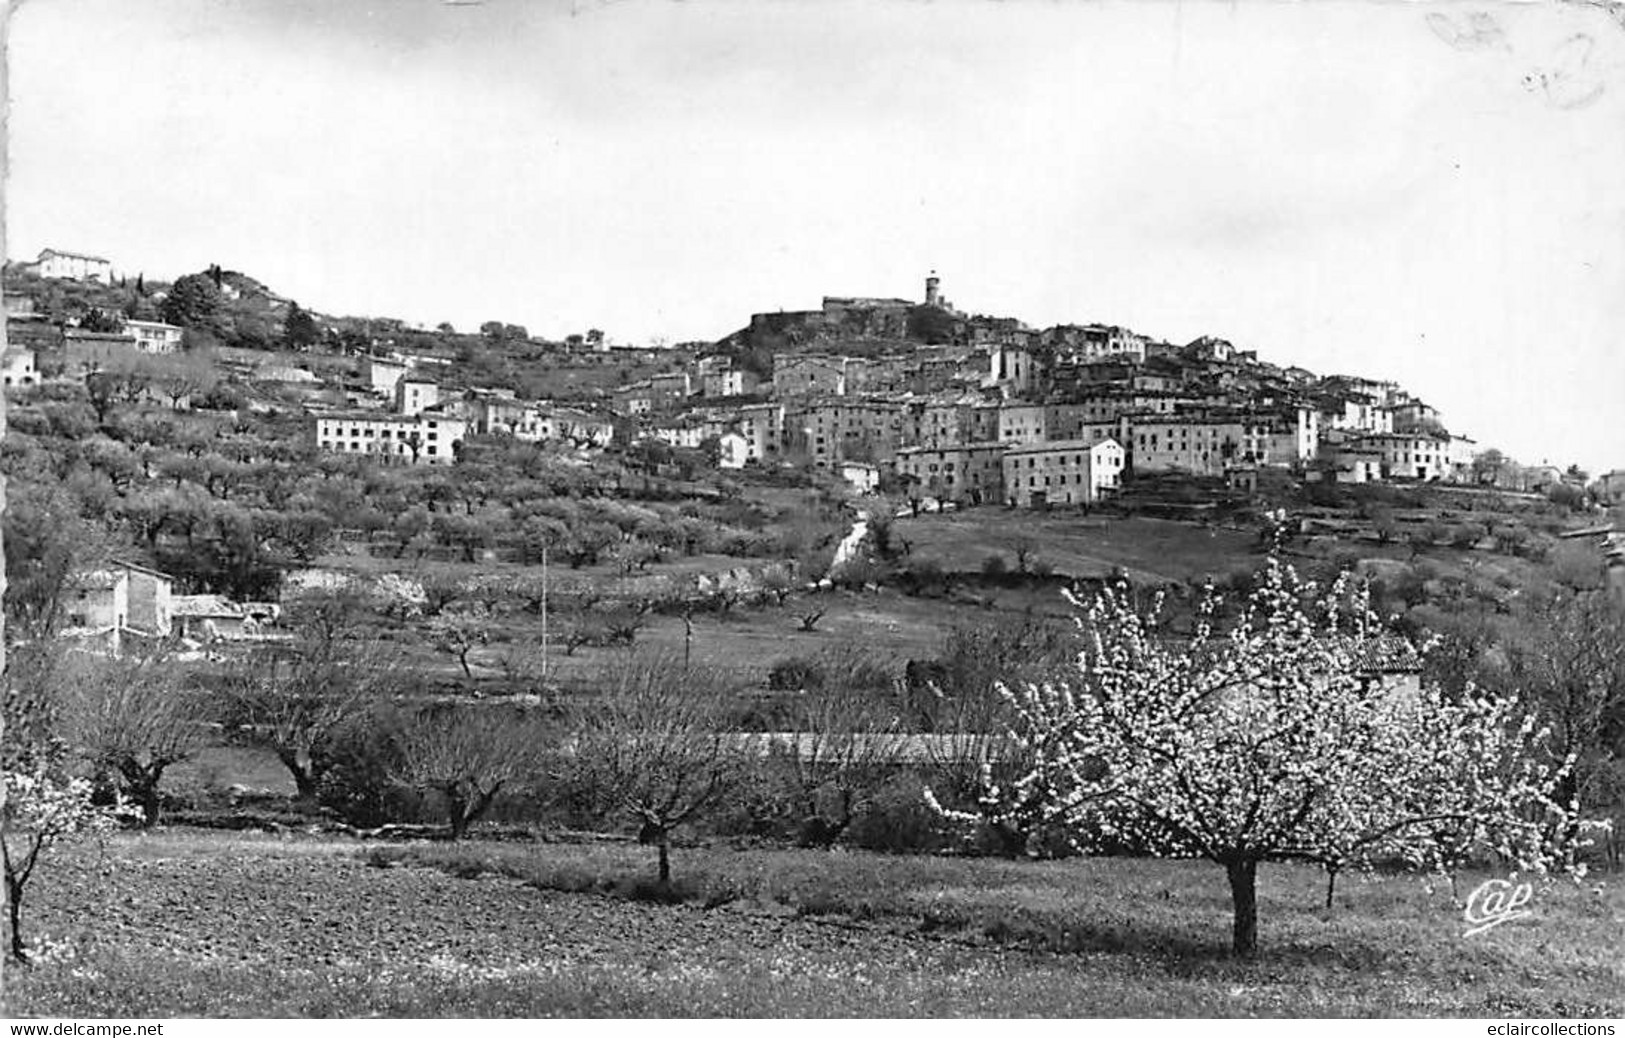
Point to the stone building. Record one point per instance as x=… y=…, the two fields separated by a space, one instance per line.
x=1062 y=472
x=966 y=474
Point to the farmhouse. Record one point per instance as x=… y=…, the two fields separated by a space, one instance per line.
x=122 y=598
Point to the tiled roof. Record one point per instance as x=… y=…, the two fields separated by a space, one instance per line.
x=204 y=605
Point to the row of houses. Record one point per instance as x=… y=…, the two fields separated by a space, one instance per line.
x=424 y=425
x=1033 y=475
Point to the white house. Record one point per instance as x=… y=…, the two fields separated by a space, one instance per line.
x=73 y=266
x=733 y=450
x=154 y=336
x=19 y=367
x=381 y=375
x=414 y=394
x=863 y=477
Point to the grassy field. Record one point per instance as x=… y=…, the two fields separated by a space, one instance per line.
x=1150 y=550
x=188 y=924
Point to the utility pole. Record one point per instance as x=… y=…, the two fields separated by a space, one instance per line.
x=544 y=617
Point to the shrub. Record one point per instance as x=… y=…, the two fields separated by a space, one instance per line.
x=1466 y=535
x=922 y=576
x=995 y=566
x=899 y=820
x=360 y=787
x=795 y=673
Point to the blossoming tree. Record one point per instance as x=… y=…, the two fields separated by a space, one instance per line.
x=1272 y=740
x=41 y=809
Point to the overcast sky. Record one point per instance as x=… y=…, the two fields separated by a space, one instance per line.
x=1430 y=193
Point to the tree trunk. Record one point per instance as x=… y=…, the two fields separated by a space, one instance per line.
x=143 y=782
x=457 y=811
x=305 y=780
x=14 y=905
x=664 y=845
x=1244 y=897
x=1331 y=883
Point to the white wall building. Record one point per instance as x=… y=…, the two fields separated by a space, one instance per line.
x=733 y=450
x=428 y=438
x=1062 y=472
x=19 y=367
x=73 y=266
x=154 y=336
x=414 y=394
x=382 y=375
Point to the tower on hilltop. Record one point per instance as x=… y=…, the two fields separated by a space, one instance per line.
x=933 y=295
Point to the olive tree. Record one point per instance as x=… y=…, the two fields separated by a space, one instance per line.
x=1271 y=741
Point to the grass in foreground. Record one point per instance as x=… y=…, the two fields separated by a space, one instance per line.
x=192 y=924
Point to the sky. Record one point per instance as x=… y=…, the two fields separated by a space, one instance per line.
x=1430 y=193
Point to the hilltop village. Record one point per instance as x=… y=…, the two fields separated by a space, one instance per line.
x=215 y=434
x=952 y=407
x=913 y=397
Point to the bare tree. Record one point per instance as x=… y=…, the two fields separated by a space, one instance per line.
x=844 y=735
x=972 y=750
x=131 y=718
x=654 y=748
x=1566 y=653
x=469 y=755
x=299 y=703
x=460 y=631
